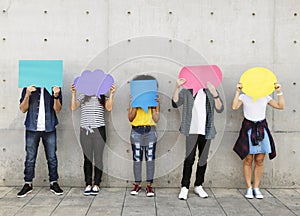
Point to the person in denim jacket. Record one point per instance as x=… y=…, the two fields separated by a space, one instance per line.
x=40 y=123
x=143 y=137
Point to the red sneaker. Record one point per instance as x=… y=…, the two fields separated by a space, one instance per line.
x=136 y=189
x=149 y=191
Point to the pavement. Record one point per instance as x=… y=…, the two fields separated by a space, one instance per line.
x=118 y=201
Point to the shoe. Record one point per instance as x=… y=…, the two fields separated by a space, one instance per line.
x=95 y=190
x=87 y=190
x=27 y=188
x=54 y=188
x=200 y=191
x=136 y=189
x=257 y=193
x=149 y=191
x=249 y=193
x=183 y=193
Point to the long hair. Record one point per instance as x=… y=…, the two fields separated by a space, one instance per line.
x=101 y=99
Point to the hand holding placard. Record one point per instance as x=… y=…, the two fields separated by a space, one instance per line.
x=93 y=83
x=258 y=82
x=143 y=94
x=40 y=73
x=197 y=76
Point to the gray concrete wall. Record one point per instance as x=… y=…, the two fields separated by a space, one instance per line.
x=114 y=35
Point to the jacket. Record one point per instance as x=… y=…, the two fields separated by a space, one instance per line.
x=33 y=110
x=186 y=99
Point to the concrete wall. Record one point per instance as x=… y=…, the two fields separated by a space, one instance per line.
x=127 y=38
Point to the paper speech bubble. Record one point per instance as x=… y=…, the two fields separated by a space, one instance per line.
x=258 y=82
x=93 y=83
x=197 y=76
x=41 y=73
x=143 y=93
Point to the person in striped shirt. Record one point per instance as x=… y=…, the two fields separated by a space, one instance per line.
x=92 y=134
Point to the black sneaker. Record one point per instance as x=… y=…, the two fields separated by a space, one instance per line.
x=56 y=189
x=27 y=188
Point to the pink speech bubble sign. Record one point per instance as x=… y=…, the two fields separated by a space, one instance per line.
x=197 y=76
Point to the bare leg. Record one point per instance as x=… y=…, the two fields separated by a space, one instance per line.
x=248 y=169
x=258 y=169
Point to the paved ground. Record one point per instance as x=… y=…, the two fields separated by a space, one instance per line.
x=118 y=201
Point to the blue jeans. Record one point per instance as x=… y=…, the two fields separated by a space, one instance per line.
x=32 y=144
x=143 y=138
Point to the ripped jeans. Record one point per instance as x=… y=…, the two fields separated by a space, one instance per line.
x=143 y=138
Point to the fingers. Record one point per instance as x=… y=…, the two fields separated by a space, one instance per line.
x=277 y=87
x=56 y=89
x=73 y=89
x=180 y=82
x=210 y=85
x=113 y=88
x=239 y=86
x=157 y=99
x=31 y=88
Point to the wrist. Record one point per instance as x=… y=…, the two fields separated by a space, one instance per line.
x=279 y=93
x=56 y=97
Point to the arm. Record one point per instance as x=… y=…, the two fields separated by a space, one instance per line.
x=74 y=104
x=236 y=103
x=56 y=93
x=218 y=102
x=110 y=101
x=24 y=105
x=156 y=111
x=131 y=112
x=176 y=99
x=279 y=104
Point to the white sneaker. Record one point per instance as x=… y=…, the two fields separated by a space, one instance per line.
x=249 y=193
x=200 y=191
x=257 y=193
x=87 y=190
x=95 y=190
x=183 y=193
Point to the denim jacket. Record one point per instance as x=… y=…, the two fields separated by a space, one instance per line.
x=33 y=110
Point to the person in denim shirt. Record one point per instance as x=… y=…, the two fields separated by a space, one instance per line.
x=40 y=123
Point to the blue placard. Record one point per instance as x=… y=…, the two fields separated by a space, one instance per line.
x=143 y=93
x=41 y=73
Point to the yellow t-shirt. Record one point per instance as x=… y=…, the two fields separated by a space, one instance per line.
x=142 y=118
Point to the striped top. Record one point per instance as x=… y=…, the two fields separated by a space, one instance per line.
x=92 y=112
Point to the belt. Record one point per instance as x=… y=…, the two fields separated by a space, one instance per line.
x=144 y=126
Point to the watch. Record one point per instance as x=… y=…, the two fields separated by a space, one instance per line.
x=56 y=97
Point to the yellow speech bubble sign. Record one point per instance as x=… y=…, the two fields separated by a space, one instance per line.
x=258 y=82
